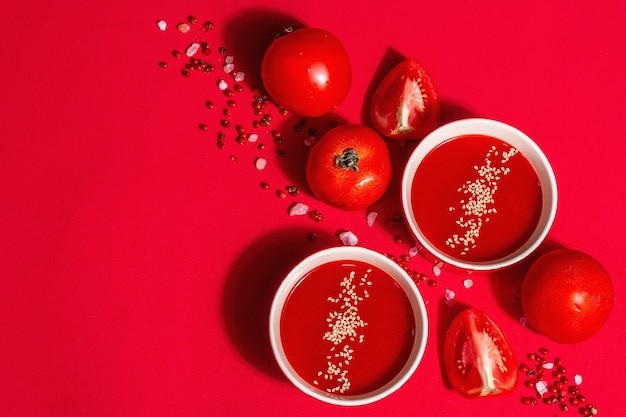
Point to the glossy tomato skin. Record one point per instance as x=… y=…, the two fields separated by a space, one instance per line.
x=349 y=167
x=307 y=71
x=405 y=105
x=567 y=295
x=477 y=357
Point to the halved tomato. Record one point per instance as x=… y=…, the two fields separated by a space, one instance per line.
x=405 y=105
x=477 y=357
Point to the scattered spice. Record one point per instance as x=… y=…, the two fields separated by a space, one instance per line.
x=549 y=382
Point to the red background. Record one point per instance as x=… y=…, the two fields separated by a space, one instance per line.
x=137 y=261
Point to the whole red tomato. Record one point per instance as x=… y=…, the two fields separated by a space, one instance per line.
x=567 y=295
x=349 y=167
x=477 y=356
x=307 y=71
x=405 y=105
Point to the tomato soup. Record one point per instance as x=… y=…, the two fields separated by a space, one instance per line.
x=476 y=198
x=347 y=328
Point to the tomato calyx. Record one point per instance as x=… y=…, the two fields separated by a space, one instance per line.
x=286 y=31
x=348 y=159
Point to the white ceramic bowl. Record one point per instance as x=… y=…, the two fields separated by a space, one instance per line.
x=516 y=139
x=350 y=253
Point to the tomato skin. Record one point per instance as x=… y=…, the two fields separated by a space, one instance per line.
x=567 y=295
x=477 y=357
x=307 y=71
x=405 y=105
x=347 y=188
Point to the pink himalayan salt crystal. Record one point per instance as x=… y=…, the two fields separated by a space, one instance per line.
x=348 y=238
x=222 y=85
x=298 y=209
x=450 y=294
x=240 y=76
x=310 y=141
x=468 y=283
x=437 y=269
x=192 y=49
x=541 y=387
x=548 y=365
x=162 y=24
x=228 y=68
x=183 y=27
x=578 y=379
x=523 y=321
x=253 y=137
x=260 y=163
x=413 y=251
x=371 y=218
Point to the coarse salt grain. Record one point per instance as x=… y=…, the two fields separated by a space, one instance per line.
x=298 y=209
x=578 y=379
x=222 y=85
x=468 y=283
x=437 y=269
x=228 y=68
x=260 y=163
x=450 y=294
x=162 y=24
x=240 y=76
x=348 y=238
x=413 y=251
x=253 y=137
x=371 y=218
x=548 y=365
x=192 y=49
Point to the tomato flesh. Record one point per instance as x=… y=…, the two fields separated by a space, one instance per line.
x=405 y=105
x=567 y=295
x=477 y=357
x=307 y=71
x=349 y=167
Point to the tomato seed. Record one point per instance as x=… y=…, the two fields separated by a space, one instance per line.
x=163 y=64
x=203 y=127
x=192 y=20
x=176 y=54
x=265 y=186
x=209 y=104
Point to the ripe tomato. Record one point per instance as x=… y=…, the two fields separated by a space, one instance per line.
x=567 y=295
x=307 y=71
x=349 y=167
x=477 y=357
x=405 y=105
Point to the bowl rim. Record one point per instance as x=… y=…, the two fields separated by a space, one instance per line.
x=497 y=129
x=350 y=253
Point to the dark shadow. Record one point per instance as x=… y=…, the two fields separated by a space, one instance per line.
x=250 y=288
x=452 y=111
x=446 y=315
x=506 y=284
x=250 y=33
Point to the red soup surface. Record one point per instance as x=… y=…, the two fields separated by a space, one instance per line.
x=347 y=328
x=476 y=198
